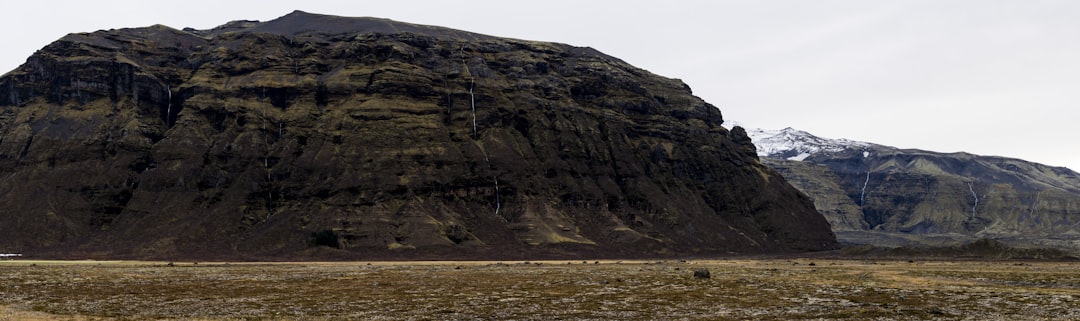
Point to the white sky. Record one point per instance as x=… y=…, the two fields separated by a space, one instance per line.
x=989 y=77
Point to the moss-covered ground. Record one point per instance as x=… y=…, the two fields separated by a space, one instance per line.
x=775 y=289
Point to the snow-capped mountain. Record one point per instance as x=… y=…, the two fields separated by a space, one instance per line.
x=793 y=144
x=888 y=196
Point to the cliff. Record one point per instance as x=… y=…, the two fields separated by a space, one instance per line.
x=315 y=136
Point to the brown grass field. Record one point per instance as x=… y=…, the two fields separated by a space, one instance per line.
x=739 y=289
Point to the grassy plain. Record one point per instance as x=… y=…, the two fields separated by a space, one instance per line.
x=739 y=289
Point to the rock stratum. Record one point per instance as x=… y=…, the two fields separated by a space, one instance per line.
x=887 y=196
x=314 y=136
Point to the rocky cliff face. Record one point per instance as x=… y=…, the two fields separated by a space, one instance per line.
x=322 y=136
x=887 y=196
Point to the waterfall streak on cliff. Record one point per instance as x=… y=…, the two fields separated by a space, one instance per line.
x=862 y=197
x=498 y=200
x=168 y=110
x=1035 y=203
x=472 y=102
x=973 y=194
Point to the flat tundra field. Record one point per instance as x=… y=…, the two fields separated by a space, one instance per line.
x=739 y=289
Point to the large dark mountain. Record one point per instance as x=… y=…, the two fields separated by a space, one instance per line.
x=881 y=195
x=314 y=136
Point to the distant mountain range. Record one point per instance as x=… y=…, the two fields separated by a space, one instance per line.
x=887 y=196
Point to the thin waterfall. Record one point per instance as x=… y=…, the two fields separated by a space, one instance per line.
x=168 y=109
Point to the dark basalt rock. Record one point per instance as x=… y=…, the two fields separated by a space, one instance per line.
x=702 y=273
x=327 y=137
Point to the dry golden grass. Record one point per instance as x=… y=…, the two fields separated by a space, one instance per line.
x=550 y=290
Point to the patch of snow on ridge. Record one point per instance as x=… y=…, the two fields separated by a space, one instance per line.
x=795 y=144
x=800 y=157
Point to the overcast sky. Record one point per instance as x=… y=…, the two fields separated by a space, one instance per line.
x=989 y=77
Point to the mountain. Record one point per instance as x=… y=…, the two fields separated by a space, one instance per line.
x=315 y=136
x=881 y=195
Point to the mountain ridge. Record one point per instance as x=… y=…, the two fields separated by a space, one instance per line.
x=779 y=144
x=884 y=195
x=301 y=22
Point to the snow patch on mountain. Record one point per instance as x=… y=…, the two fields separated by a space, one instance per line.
x=797 y=145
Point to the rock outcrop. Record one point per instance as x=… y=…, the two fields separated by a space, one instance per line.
x=314 y=136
